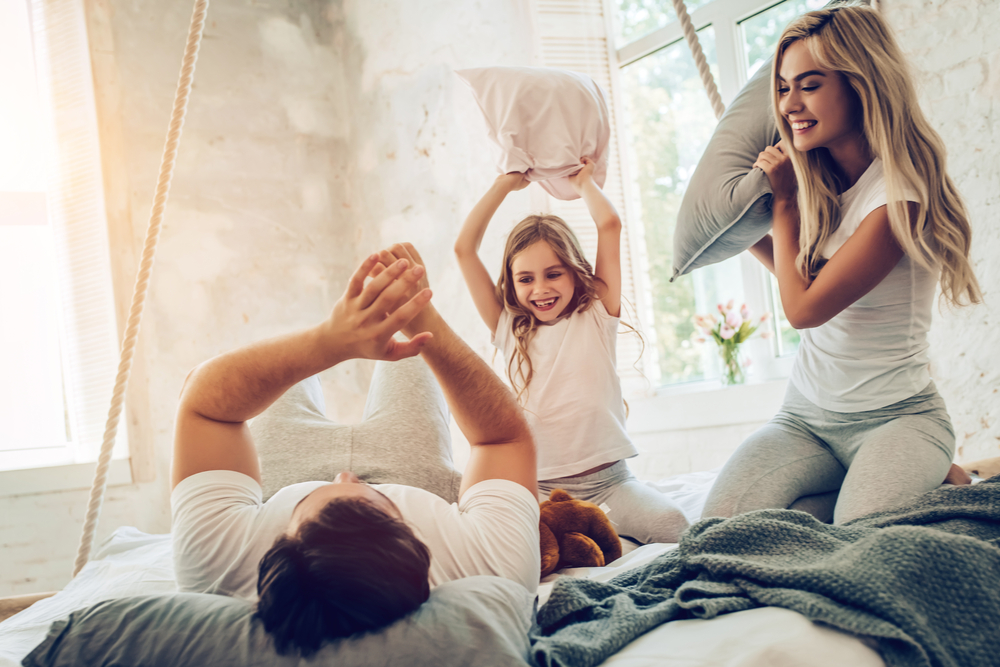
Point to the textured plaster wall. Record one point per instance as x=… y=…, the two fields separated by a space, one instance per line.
x=319 y=131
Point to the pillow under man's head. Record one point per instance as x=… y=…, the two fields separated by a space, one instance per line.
x=349 y=567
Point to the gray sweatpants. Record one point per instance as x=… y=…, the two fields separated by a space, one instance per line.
x=878 y=459
x=403 y=438
x=636 y=510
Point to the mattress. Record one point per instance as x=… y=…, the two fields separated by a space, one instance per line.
x=131 y=562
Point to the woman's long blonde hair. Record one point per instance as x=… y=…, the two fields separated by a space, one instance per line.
x=554 y=231
x=855 y=41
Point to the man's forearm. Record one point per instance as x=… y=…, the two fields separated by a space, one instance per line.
x=239 y=385
x=482 y=405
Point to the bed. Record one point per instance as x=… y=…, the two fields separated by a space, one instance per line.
x=132 y=563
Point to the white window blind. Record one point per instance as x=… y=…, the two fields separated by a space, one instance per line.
x=71 y=200
x=574 y=35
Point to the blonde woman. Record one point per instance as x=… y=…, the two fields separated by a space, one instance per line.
x=866 y=223
x=555 y=319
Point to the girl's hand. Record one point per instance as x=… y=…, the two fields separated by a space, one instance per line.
x=585 y=175
x=513 y=181
x=780 y=172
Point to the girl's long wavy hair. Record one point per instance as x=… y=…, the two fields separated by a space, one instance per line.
x=554 y=231
x=855 y=41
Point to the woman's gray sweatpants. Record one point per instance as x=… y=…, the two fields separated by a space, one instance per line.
x=878 y=459
x=634 y=509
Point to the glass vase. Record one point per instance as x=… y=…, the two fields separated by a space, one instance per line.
x=733 y=370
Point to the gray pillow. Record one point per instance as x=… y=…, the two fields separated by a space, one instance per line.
x=469 y=622
x=727 y=205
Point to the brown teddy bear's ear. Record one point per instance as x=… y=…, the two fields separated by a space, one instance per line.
x=559 y=496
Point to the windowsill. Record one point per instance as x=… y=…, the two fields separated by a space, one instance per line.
x=68 y=477
x=704 y=405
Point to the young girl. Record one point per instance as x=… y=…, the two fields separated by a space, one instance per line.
x=865 y=223
x=555 y=319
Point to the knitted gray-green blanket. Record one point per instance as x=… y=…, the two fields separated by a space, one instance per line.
x=922 y=580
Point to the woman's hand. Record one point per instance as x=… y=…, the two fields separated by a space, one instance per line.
x=584 y=176
x=513 y=181
x=778 y=166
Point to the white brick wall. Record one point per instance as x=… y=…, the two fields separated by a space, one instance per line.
x=269 y=208
x=955 y=53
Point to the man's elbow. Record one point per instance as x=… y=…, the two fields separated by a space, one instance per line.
x=188 y=399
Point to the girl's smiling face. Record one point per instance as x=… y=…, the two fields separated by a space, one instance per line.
x=543 y=284
x=819 y=104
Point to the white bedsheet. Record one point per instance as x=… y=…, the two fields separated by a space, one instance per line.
x=765 y=637
x=131 y=562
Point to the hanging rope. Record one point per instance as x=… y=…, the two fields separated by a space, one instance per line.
x=691 y=35
x=142 y=281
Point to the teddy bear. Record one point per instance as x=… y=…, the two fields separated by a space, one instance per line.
x=575 y=533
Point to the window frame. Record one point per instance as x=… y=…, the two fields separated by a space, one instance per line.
x=725 y=16
x=74 y=470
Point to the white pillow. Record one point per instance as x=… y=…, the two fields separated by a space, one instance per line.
x=543 y=120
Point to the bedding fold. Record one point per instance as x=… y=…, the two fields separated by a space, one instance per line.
x=920 y=580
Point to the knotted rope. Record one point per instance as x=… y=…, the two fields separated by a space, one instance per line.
x=142 y=281
x=691 y=35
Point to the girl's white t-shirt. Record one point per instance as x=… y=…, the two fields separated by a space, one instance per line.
x=874 y=352
x=222 y=529
x=574 y=402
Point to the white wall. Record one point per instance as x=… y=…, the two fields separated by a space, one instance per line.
x=955 y=53
x=319 y=131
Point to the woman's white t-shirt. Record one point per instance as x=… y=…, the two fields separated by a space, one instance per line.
x=222 y=529
x=874 y=352
x=574 y=402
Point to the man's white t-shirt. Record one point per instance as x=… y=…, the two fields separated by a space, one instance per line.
x=874 y=352
x=222 y=529
x=574 y=401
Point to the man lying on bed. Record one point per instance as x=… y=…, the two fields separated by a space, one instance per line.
x=328 y=560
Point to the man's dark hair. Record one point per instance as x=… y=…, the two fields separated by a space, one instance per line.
x=352 y=569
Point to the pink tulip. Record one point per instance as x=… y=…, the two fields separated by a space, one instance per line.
x=721 y=309
x=765 y=317
x=733 y=319
x=730 y=304
x=699 y=340
x=765 y=334
x=727 y=332
x=704 y=322
x=744 y=312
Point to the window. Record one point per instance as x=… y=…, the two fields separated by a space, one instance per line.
x=58 y=340
x=668 y=122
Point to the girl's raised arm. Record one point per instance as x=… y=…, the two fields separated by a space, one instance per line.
x=608 y=266
x=481 y=286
